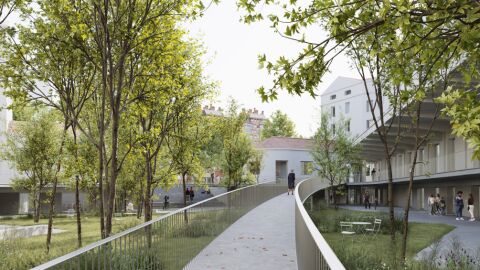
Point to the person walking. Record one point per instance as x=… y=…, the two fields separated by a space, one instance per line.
x=192 y=194
x=443 y=206
x=366 y=200
x=431 y=203
x=165 y=202
x=471 y=207
x=459 y=205
x=291 y=182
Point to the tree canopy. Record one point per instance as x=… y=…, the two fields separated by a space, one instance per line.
x=278 y=125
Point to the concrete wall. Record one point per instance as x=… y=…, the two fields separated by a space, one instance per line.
x=293 y=158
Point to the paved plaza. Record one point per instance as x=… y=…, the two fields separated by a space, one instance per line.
x=263 y=237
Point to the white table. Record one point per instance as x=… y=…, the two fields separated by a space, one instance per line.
x=360 y=226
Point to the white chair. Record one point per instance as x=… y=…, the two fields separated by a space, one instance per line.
x=346 y=228
x=377 y=223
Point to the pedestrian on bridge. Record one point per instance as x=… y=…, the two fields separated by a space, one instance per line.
x=291 y=182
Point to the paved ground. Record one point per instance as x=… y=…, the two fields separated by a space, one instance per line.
x=262 y=239
x=466 y=232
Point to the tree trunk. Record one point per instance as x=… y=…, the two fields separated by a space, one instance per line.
x=184 y=196
x=54 y=188
x=36 y=207
x=407 y=210
x=391 y=210
x=148 y=192
x=113 y=175
x=77 y=210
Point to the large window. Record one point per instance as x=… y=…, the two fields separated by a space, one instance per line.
x=332 y=111
x=368 y=106
x=347 y=107
x=306 y=167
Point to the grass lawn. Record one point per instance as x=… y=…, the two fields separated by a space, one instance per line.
x=369 y=253
x=23 y=253
x=174 y=242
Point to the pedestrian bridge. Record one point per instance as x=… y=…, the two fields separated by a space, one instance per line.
x=258 y=225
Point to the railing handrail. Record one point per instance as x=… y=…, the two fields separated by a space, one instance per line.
x=327 y=252
x=111 y=238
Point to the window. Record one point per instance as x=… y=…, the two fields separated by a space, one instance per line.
x=306 y=167
x=332 y=111
x=332 y=97
x=368 y=106
x=333 y=129
x=348 y=92
x=347 y=107
x=348 y=125
x=368 y=124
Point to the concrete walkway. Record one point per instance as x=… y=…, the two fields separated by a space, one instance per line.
x=467 y=233
x=262 y=239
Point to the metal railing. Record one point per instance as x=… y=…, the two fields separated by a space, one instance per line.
x=313 y=251
x=170 y=241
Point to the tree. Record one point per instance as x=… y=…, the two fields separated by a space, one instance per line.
x=463 y=108
x=236 y=146
x=278 y=125
x=255 y=164
x=335 y=154
x=388 y=35
x=32 y=149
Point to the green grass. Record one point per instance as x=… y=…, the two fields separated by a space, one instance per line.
x=369 y=253
x=23 y=253
x=174 y=242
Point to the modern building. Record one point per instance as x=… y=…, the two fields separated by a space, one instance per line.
x=281 y=155
x=346 y=99
x=444 y=164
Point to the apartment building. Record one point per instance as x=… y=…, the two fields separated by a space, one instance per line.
x=444 y=163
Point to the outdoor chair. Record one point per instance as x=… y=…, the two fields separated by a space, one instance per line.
x=377 y=223
x=346 y=229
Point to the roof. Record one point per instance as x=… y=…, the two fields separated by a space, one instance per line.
x=341 y=83
x=285 y=143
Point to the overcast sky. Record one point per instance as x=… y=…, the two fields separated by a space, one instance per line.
x=233 y=48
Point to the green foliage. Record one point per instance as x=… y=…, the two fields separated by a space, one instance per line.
x=255 y=163
x=334 y=152
x=463 y=108
x=32 y=149
x=278 y=125
x=236 y=146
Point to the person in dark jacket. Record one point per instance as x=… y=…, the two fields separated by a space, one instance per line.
x=291 y=182
x=459 y=205
x=192 y=194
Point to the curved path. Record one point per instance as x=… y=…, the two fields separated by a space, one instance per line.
x=255 y=241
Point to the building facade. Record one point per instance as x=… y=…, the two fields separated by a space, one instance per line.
x=444 y=163
x=282 y=155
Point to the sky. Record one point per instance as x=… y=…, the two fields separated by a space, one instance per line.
x=231 y=60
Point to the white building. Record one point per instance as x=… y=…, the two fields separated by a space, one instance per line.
x=444 y=162
x=346 y=99
x=281 y=155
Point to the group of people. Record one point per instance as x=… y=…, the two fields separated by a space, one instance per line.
x=459 y=205
x=366 y=201
x=437 y=205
